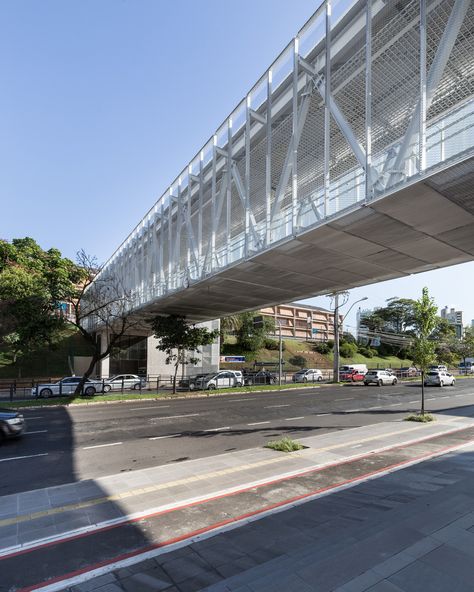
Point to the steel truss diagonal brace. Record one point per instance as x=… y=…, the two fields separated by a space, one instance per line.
x=288 y=165
x=240 y=190
x=215 y=222
x=435 y=73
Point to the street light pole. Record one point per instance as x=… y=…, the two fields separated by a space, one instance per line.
x=336 y=339
x=280 y=353
x=336 y=332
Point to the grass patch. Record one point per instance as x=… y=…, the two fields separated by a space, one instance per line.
x=420 y=417
x=81 y=400
x=286 y=444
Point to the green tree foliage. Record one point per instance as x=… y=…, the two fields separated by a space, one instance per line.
x=180 y=340
x=464 y=348
x=347 y=350
x=249 y=337
x=33 y=284
x=425 y=324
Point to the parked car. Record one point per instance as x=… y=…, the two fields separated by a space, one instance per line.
x=223 y=379
x=66 y=386
x=440 y=367
x=362 y=368
x=351 y=375
x=379 y=377
x=260 y=377
x=12 y=424
x=408 y=372
x=467 y=368
x=189 y=382
x=127 y=381
x=308 y=375
x=439 y=378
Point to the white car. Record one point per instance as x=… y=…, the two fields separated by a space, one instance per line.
x=223 y=379
x=125 y=381
x=66 y=386
x=379 y=377
x=308 y=375
x=439 y=378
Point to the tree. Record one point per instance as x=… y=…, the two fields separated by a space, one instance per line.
x=298 y=361
x=102 y=306
x=180 y=340
x=465 y=346
x=423 y=349
x=251 y=338
x=33 y=284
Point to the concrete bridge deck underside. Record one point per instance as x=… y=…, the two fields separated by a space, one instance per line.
x=425 y=226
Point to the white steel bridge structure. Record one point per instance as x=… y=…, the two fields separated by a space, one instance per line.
x=350 y=161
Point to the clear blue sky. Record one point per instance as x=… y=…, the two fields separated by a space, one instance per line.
x=104 y=102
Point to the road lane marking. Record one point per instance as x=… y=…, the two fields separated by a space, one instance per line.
x=218 y=429
x=163 y=437
x=237 y=400
x=357 y=446
x=101 y=445
x=321 y=414
x=258 y=423
x=349 y=399
x=35 y=417
x=217 y=473
x=174 y=416
x=275 y=406
x=293 y=418
x=149 y=407
x=37 y=432
x=21 y=457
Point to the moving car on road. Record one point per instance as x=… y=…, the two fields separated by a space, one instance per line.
x=66 y=386
x=12 y=424
x=126 y=381
x=223 y=379
x=379 y=377
x=349 y=374
x=439 y=378
x=308 y=375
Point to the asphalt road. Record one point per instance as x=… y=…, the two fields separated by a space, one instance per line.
x=85 y=442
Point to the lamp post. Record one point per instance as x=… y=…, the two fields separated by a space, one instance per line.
x=336 y=332
x=280 y=352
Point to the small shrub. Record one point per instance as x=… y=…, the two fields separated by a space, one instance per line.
x=286 y=444
x=298 y=361
x=421 y=417
x=322 y=348
x=347 y=350
x=273 y=344
x=368 y=352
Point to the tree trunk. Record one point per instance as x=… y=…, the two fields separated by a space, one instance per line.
x=175 y=374
x=422 y=392
x=95 y=358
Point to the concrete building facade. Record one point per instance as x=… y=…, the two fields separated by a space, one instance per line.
x=301 y=321
x=454 y=317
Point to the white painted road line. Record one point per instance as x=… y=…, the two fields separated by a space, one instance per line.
x=321 y=414
x=237 y=400
x=174 y=416
x=164 y=437
x=349 y=399
x=257 y=423
x=294 y=418
x=37 y=432
x=101 y=445
x=357 y=446
x=21 y=457
x=276 y=406
x=218 y=429
x=149 y=407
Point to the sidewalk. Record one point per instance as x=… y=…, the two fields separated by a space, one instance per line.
x=273 y=530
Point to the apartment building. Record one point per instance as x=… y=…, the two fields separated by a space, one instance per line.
x=454 y=317
x=302 y=321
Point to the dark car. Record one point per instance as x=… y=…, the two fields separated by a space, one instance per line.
x=189 y=382
x=12 y=424
x=260 y=377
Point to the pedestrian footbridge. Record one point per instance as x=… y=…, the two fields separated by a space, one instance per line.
x=349 y=162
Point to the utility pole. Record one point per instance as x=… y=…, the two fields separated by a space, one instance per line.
x=336 y=338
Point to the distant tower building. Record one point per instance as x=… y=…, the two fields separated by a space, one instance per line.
x=454 y=317
x=361 y=328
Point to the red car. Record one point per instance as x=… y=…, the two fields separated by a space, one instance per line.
x=352 y=376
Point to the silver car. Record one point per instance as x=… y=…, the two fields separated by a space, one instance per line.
x=379 y=377
x=308 y=375
x=66 y=386
x=125 y=381
x=439 y=378
x=223 y=379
